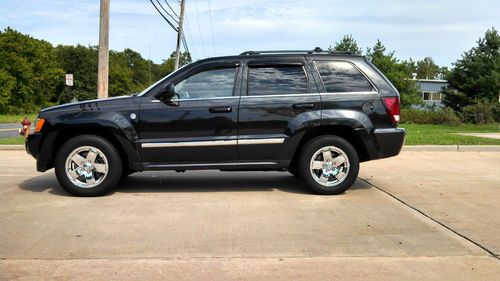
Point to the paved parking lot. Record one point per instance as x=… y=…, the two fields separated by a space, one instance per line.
x=422 y=215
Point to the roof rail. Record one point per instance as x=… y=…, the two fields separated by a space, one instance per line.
x=316 y=50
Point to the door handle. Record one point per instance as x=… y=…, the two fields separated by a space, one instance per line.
x=222 y=109
x=303 y=106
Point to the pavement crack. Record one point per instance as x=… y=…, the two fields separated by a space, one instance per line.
x=484 y=248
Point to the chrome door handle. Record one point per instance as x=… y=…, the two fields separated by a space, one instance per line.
x=221 y=109
x=303 y=106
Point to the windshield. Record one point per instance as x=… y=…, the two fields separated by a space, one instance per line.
x=160 y=81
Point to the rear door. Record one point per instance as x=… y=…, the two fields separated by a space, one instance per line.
x=276 y=92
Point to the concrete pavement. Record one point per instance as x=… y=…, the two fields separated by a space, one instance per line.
x=482 y=135
x=459 y=189
x=256 y=225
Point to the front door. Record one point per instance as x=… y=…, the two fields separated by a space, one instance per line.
x=199 y=125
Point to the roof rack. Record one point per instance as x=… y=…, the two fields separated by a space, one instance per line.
x=316 y=50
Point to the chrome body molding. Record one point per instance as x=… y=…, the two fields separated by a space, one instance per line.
x=273 y=96
x=212 y=164
x=261 y=141
x=213 y=143
x=189 y=143
x=200 y=99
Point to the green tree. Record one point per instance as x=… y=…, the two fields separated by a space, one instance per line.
x=427 y=69
x=30 y=64
x=476 y=76
x=399 y=73
x=347 y=44
x=32 y=72
x=167 y=66
x=7 y=84
x=80 y=61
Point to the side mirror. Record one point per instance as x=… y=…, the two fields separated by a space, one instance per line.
x=167 y=93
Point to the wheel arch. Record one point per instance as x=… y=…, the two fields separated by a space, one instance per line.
x=69 y=132
x=344 y=131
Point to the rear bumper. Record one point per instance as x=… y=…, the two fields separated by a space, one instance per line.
x=389 y=141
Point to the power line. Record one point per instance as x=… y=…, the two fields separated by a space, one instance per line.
x=211 y=27
x=165 y=18
x=189 y=37
x=173 y=11
x=199 y=29
x=176 y=20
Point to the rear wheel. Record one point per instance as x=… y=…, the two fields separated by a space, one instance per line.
x=329 y=165
x=88 y=165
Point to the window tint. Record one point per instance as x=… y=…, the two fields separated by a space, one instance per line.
x=341 y=77
x=207 y=84
x=276 y=80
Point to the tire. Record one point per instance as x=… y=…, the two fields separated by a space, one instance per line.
x=293 y=171
x=88 y=165
x=127 y=172
x=328 y=177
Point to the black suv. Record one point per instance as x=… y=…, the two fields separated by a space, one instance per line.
x=314 y=114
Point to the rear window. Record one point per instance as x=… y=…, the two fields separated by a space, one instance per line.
x=276 y=80
x=342 y=77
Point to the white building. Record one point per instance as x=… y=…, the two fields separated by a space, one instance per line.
x=431 y=90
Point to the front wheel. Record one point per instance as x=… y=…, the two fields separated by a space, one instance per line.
x=329 y=165
x=88 y=165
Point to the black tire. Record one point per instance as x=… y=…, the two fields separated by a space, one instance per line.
x=114 y=169
x=312 y=147
x=127 y=172
x=293 y=171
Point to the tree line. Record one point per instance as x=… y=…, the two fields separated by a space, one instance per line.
x=32 y=72
x=474 y=79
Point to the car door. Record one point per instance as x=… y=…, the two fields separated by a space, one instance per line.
x=199 y=125
x=276 y=94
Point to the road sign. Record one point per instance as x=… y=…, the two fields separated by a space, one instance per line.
x=69 y=80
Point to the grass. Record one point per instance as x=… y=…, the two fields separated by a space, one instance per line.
x=446 y=134
x=12 y=140
x=16 y=118
x=415 y=135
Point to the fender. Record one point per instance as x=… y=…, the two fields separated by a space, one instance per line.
x=117 y=124
x=313 y=121
x=352 y=118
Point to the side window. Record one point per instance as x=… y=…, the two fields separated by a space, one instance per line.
x=340 y=77
x=276 y=80
x=211 y=83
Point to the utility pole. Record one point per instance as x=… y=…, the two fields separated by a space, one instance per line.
x=179 y=37
x=103 y=68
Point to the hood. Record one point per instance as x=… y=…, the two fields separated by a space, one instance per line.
x=91 y=104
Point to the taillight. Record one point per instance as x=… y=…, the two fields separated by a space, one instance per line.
x=392 y=106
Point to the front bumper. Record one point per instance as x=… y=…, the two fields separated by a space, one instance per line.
x=389 y=141
x=33 y=146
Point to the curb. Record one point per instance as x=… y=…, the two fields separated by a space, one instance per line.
x=459 y=148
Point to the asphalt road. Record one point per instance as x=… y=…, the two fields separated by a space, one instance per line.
x=420 y=216
x=9 y=130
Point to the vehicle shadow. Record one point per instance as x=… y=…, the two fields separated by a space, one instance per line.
x=47 y=181
x=191 y=181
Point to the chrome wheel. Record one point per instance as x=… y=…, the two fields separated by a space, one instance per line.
x=329 y=166
x=86 y=167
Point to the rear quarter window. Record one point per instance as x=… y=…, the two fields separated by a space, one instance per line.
x=342 y=77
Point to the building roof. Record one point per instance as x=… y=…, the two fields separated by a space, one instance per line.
x=431 y=85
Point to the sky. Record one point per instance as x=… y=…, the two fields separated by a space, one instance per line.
x=441 y=29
